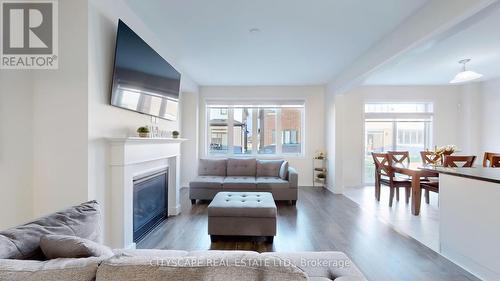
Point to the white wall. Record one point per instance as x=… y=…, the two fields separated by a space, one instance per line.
x=333 y=139
x=105 y=120
x=314 y=117
x=16 y=147
x=489 y=121
x=60 y=111
x=470 y=119
x=189 y=130
x=349 y=123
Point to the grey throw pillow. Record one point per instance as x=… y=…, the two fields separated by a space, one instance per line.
x=269 y=168
x=284 y=170
x=65 y=246
x=22 y=242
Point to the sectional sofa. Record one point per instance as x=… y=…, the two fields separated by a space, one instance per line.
x=23 y=257
x=244 y=174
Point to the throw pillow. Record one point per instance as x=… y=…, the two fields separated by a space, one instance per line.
x=284 y=170
x=22 y=242
x=65 y=246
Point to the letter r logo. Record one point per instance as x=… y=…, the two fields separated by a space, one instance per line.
x=27 y=28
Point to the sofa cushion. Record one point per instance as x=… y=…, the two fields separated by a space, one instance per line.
x=271 y=182
x=56 y=269
x=284 y=170
x=211 y=182
x=239 y=183
x=212 y=167
x=65 y=246
x=268 y=168
x=241 y=167
x=331 y=265
x=213 y=265
x=23 y=242
x=150 y=253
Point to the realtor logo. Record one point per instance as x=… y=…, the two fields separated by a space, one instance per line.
x=29 y=35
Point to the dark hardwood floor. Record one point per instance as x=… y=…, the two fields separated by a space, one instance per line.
x=321 y=221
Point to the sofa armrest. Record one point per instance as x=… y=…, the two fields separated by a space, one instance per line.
x=293 y=177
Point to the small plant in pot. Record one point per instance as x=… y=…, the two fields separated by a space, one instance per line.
x=175 y=134
x=143 y=132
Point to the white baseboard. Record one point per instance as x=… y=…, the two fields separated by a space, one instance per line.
x=132 y=246
x=174 y=211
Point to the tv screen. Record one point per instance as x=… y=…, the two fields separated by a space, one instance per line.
x=142 y=80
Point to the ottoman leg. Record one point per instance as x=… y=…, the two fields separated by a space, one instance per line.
x=270 y=239
x=193 y=201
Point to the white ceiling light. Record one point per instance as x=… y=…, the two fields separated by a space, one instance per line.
x=254 y=30
x=465 y=75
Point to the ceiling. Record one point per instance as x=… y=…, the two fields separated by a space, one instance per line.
x=300 y=42
x=436 y=61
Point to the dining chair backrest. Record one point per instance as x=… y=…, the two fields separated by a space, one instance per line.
x=402 y=157
x=382 y=164
x=429 y=157
x=487 y=159
x=459 y=161
x=495 y=161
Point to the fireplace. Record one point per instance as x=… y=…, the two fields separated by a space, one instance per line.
x=150 y=202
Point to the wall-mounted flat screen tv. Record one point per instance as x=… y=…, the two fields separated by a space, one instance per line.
x=142 y=80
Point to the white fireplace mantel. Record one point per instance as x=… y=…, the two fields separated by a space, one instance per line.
x=132 y=157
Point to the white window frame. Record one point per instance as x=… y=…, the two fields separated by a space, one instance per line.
x=279 y=152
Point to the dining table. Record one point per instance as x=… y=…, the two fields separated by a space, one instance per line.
x=417 y=172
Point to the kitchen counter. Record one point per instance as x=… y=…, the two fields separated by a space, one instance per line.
x=477 y=173
x=469 y=228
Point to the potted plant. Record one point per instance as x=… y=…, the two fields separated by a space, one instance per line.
x=175 y=134
x=143 y=132
x=442 y=152
x=320 y=155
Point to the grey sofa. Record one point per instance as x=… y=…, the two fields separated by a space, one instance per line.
x=20 y=245
x=244 y=174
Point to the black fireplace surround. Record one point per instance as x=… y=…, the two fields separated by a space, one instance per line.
x=150 y=202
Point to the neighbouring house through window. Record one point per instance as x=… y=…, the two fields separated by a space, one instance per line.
x=398 y=127
x=252 y=129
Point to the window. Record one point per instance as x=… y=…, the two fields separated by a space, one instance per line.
x=242 y=128
x=396 y=126
x=218 y=131
x=267 y=130
x=291 y=130
x=398 y=107
x=255 y=130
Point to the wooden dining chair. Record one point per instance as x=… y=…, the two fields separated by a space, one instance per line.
x=459 y=161
x=429 y=157
x=401 y=157
x=495 y=161
x=487 y=158
x=385 y=175
x=449 y=161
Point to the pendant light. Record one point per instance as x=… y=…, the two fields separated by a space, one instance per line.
x=465 y=75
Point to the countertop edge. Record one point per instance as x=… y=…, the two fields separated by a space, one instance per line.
x=458 y=173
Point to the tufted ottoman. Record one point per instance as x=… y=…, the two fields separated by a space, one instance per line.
x=242 y=214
